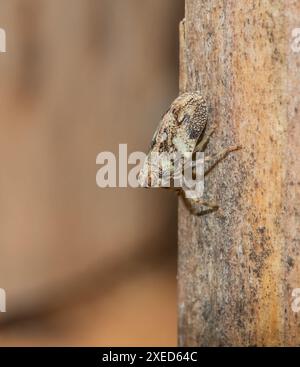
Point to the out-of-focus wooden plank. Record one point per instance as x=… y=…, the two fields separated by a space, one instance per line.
x=79 y=77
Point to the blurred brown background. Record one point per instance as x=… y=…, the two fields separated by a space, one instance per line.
x=83 y=265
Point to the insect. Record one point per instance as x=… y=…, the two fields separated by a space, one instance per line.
x=181 y=133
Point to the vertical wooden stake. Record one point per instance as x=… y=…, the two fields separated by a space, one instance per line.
x=238 y=268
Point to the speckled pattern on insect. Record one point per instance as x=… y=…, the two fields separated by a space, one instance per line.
x=181 y=130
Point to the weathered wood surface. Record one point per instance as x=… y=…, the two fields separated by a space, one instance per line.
x=238 y=266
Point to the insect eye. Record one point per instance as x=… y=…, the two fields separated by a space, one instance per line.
x=180 y=116
x=175 y=112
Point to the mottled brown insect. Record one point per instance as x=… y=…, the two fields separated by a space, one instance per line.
x=181 y=131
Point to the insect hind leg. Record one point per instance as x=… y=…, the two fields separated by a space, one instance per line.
x=204 y=141
x=219 y=157
x=193 y=205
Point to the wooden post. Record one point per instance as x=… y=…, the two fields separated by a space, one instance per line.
x=239 y=268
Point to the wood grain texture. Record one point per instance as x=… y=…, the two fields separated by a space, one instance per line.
x=237 y=267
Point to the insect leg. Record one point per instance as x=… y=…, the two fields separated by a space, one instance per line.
x=219 y=157
x=216 y=158
x=192 y=205
x=203 y=142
